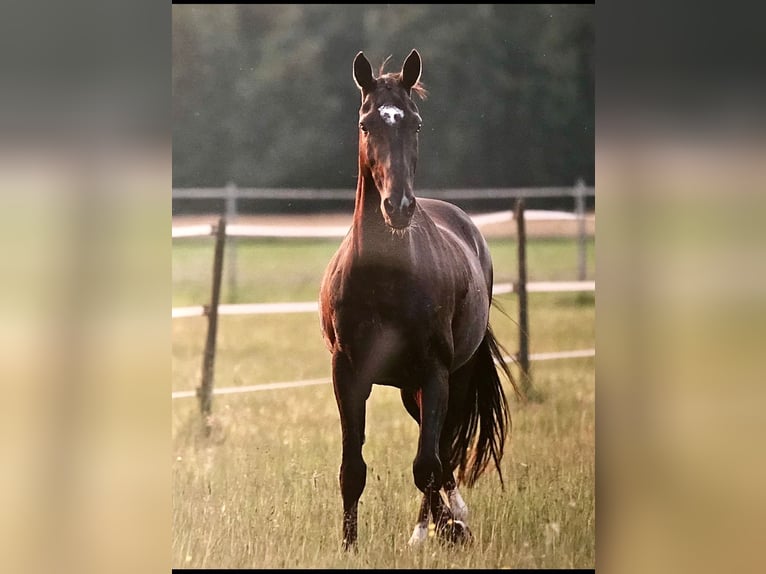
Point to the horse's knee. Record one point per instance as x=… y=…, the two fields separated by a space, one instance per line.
x=353 y=476
x=427 y=471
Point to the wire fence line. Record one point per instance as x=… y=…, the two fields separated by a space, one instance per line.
x=313 y=306
x=584 y=353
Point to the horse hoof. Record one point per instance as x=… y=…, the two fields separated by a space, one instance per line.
x=456 y=532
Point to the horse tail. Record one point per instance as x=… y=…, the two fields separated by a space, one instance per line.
x=480 y=436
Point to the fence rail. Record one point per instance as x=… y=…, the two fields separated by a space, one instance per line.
x=579 y=354
x=313 y=306
x=232 y=192
x=334 y=231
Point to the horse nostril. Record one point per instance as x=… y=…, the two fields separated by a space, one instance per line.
x=410 y=209
x=388 y=206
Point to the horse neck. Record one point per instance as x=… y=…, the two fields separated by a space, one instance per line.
x=373 y=240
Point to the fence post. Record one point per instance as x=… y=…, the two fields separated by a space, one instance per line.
x=231 y=247
x=579 y=195
x=205 y=391
x=521 y=289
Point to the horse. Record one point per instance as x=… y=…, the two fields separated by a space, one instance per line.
x=405 y=302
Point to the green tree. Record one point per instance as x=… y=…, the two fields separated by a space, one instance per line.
x=263 y=94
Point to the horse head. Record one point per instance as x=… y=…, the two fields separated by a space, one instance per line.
x=389 y=123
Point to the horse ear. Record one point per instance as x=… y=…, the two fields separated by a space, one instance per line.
x=363 y=73
x=411 y=70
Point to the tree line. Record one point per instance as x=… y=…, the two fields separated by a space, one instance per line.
x=263 y=95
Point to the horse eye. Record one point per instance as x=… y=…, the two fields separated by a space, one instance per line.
x=363 y=127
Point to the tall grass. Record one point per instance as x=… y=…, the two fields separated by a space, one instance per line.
x=262 y=491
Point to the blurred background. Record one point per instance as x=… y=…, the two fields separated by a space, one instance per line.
x=263 y=95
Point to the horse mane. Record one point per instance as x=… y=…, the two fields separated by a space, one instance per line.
x=419 y=88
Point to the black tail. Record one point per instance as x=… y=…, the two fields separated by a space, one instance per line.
x=480 y=436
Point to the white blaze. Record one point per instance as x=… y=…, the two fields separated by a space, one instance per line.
x=390 y=114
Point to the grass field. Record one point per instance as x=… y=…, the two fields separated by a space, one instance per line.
x=262 y=491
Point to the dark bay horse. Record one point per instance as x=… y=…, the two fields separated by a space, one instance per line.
x=405 y=302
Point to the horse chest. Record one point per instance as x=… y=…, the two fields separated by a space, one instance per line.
x=403 y=305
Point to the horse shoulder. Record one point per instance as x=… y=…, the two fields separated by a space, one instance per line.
x=331 y=292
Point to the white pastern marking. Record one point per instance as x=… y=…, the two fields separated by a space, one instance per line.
x=419 y=534
x=458 y=506
x=390 y=114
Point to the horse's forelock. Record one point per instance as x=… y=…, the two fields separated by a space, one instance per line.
x=382 y=69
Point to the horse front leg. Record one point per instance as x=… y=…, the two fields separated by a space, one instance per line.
x=431 y=503
x=453 y=525
x=449 y=512
x=427 y=466
x=351 y=395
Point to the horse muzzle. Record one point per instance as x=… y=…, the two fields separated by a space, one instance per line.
x=398 y=216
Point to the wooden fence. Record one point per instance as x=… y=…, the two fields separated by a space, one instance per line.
x=223 y=230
